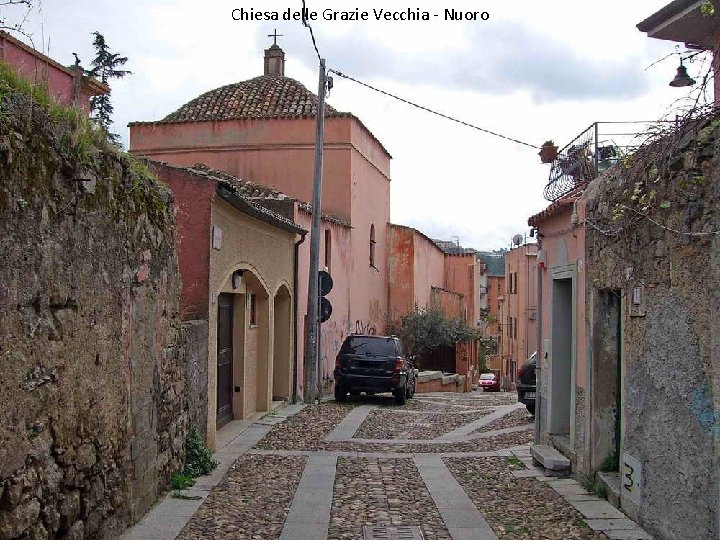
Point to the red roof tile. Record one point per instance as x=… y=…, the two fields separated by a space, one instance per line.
x=264 y=97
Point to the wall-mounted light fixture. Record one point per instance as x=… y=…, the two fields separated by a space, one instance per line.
x=237 y=278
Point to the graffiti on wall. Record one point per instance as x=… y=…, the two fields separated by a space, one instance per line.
x=365 y=327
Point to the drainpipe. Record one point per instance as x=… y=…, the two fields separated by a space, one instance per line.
x=539 y=268
x=295 y=309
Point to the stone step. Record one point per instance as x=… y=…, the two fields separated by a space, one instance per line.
x=549 y=458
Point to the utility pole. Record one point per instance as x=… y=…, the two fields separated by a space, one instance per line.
x=311 y=364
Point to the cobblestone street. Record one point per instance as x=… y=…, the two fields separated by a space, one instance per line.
x=456 y=466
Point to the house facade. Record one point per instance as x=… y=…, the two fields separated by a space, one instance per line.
x=68 y=86
x=491 y=289
x=263 y=130
x=562 y=381
x=628 y=292
x=237 y=260
x=427 y=274
x=518 y=313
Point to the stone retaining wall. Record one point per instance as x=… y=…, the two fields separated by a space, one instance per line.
x=654 y=239
x=93 y=415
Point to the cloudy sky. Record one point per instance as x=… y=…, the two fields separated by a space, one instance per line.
x=534 y=71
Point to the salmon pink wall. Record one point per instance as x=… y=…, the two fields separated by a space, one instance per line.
x=43 y=71
x=334 y=331
x=416 y=265
x=370 y=191
x=401 y=265
x=563 y=243
x=192 y=197
x=521 y=304
x=460 y=277
x=429 y=269
x=279 y=153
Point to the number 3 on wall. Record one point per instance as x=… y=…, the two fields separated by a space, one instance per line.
x=629 y=483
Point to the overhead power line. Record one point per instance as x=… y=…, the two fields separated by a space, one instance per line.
x=312 y=34
x=406 y=101
x=427 y=109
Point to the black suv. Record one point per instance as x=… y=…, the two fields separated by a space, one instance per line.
x=526 y=385
x=373 y=364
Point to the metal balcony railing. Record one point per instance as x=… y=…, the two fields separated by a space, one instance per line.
x=594 y=151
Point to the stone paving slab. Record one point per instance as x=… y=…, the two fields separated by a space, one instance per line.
x=456 y=509
x=530 y=473
x=467 y=429
x=597 y=509
x=441 y=439
x=612 y=524
x=309 y=514
x=350 y=424
x=628 y=535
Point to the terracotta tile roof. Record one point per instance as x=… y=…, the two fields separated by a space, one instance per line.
x=268 y=96
x=263 y=98
x=255 y=193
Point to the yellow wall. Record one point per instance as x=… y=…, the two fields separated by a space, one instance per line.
x=266 y=254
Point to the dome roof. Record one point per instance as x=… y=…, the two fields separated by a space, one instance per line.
x=268 y=96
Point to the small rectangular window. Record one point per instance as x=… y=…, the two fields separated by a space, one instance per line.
x=515 y=283
x=253 y=310
x=328 y=250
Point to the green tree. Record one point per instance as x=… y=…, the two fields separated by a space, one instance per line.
x=425 y=330
x=105 y=66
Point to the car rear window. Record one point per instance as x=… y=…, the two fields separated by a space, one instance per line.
x=369 y=346
x=487 y=377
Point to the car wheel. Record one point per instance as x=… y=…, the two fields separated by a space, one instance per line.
x=354 y=393
x=411 y=390
x=340 y=393
x=400 y=396
x=530 y=408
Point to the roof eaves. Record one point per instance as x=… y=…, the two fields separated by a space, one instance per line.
x=671 y=10
x=227 y=192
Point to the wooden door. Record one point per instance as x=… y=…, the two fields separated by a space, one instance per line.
x=224 y=359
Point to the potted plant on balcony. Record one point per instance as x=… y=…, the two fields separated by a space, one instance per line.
x=548 y=152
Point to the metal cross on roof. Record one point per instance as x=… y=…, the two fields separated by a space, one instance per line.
x=275 y=35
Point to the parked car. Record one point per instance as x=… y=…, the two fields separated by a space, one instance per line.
x=489 y=381
x=374 y=364
x=526 y=385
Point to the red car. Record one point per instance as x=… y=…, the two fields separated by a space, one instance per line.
x=489 y=381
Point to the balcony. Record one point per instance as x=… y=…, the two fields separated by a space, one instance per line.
x=594 y=151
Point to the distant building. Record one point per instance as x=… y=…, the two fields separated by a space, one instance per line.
x=518 y=316
x=263 y=130
x=491 y=294
x=237 y=261
x=425 y=275
x=67 y=85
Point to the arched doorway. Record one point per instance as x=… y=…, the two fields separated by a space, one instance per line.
x=282 y=340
